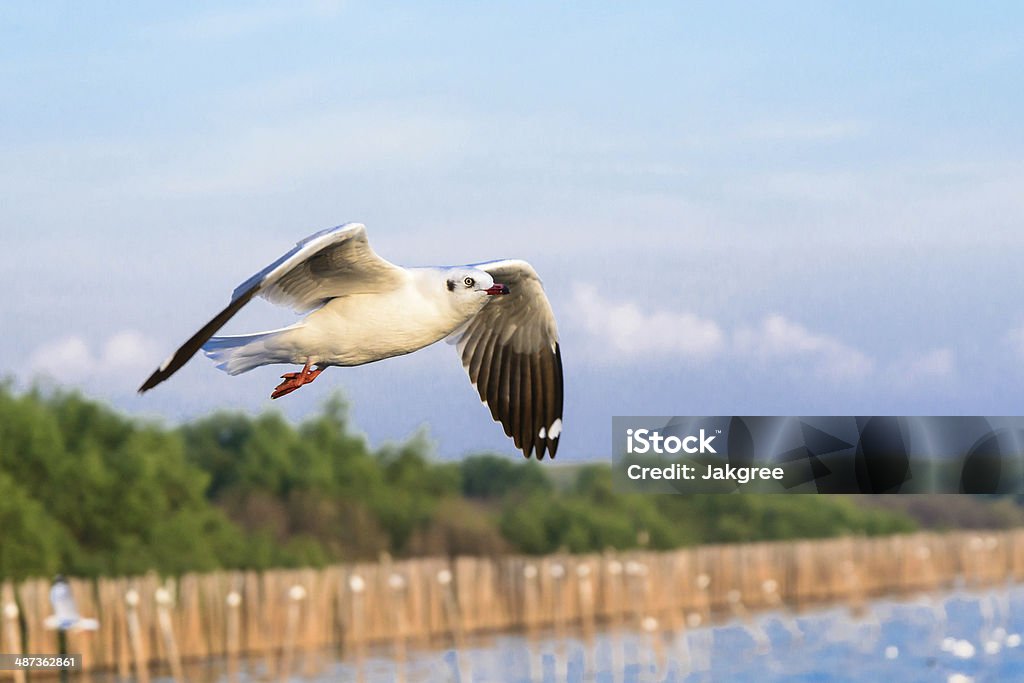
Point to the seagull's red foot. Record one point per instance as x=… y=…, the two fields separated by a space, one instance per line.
x=294 y=380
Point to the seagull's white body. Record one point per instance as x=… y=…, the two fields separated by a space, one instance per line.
x=352 y=330
x=65 y=615
x=362 y=309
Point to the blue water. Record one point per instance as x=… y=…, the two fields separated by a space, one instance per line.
x=961 y=637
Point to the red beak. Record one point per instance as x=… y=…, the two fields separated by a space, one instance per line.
x=497 y=289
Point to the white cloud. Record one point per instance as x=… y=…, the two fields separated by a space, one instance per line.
x=623 y=330
x=117 y=362
x=70 y=359
x=128 y=349
x=779 y=339
x=626 y=331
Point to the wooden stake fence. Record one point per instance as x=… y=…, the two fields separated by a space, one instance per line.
x=290 y=617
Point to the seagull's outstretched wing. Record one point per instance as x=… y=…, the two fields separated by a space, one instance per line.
x=510 y=350
x=329 y=263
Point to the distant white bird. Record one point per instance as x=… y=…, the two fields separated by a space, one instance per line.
x=364 y=309
x=65 y=615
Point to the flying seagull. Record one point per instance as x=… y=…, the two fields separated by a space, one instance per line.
x=364 y=309
x=65 y=615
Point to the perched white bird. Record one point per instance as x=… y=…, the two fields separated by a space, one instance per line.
x=364 y=309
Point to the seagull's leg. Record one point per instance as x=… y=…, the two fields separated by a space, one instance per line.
x=313 y=374
x=309 y=375
x=294 y=380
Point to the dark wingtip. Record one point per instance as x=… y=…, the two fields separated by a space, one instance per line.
x=196 y=341
x=151 y=382
x=538 y=451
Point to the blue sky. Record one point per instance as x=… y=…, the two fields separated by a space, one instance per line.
x=803 y=208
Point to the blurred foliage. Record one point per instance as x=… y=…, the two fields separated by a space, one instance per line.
x=87 y=491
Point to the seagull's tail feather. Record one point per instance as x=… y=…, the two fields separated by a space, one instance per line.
x=236 y=354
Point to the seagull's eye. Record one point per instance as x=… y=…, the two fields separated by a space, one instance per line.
x=469 y=281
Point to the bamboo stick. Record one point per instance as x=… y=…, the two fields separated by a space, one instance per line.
x=11 y=631
x=234 y=602
x=131 y=600
x=296 y=594
x=163 y=605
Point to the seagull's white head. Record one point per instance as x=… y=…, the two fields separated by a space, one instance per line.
x=471 y=288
